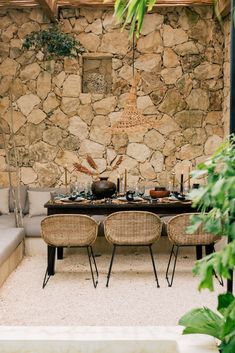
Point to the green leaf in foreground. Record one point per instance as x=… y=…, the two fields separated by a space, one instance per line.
x=202 y=320
x=224 y=300
x=221 y=326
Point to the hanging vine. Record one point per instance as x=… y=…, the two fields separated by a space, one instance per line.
x=53 y=43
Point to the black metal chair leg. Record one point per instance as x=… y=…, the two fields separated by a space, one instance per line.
x=95 y=282
x=111 y=265
x=46 y=279
x=219 y=278
x=51 y=260
x=210 y=248
x=170 y=282
x=93 y=257
x=169 y=262
x=50 y=271
x=154 y=267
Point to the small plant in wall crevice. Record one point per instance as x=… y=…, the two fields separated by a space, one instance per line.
x=53 y=43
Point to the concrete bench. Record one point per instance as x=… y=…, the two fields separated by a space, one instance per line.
x=11 y=250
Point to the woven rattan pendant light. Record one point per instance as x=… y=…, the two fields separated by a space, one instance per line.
x=131 y=120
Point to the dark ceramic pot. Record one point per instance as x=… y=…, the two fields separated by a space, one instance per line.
x=103 y=188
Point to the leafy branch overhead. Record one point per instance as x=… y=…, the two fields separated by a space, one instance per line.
x=132 y=13
x=53 y=43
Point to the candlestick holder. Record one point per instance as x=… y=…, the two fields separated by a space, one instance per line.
x=181 y=183
x=66 y=179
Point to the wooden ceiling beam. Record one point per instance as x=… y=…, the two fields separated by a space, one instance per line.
x=50 y=8
x=18 y=3
x=110 y=3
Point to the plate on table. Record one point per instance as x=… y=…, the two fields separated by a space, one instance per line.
x=136 y=198
x=179 y=198
x=67 y=199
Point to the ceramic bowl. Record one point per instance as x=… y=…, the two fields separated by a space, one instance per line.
x=155 y=194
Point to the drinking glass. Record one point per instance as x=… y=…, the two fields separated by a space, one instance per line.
x=88 y=189
x=81 y=189
x=74 y=191
x=141 y=189
x=54 y=196
x=132 y=187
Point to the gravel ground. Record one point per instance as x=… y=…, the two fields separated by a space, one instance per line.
x=132 y=298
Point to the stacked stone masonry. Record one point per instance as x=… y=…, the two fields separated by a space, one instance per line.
x=179 y=57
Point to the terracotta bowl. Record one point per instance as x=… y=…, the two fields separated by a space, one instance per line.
x=155 y=194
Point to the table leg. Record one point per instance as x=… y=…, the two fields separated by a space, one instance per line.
x=209 y=249
x=198 y=252
x=60 y=253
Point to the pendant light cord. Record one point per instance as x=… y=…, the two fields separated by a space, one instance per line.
x=133 y=54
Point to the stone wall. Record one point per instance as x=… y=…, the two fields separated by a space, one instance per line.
x=180 y=60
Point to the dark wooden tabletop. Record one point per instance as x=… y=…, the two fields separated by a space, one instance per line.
x=90 y=208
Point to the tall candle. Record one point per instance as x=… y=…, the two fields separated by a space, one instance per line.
x=125 y=181
x=118 y=184
x=181 y=183
x=189 y=178
x=66 y=178
x=173 y=181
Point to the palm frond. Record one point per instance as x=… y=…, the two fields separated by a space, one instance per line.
x=132 y=13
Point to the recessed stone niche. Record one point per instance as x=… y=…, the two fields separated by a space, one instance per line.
x=97 y=75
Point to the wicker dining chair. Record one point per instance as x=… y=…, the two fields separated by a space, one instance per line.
x=132 y=228
x=178 y=236
x=68 y=230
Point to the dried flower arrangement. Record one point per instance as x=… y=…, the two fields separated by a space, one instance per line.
x=95 y=172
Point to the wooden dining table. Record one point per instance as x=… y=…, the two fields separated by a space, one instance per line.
x=106 y=207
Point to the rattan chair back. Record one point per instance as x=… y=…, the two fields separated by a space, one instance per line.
x=177 y=232
x=69 y=230
x=132 y=228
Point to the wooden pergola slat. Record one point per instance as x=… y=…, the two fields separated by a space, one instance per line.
x=51 y=6
x=110 y=3
x=18 y=3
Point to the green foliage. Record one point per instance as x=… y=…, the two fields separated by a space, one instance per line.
x=202 y=320
x=53 y=43
x=219 y=193
x=131 y=12
x=221 y=262
x=219 y=197
x=221 y=325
